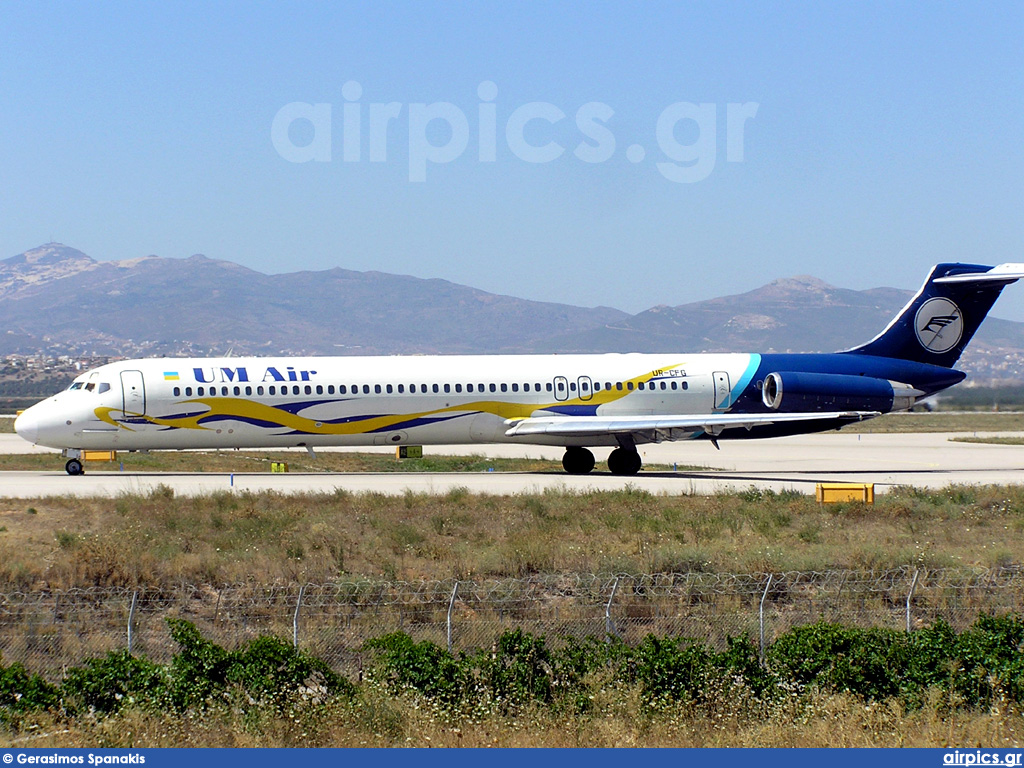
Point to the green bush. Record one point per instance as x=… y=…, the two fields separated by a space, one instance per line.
x=113 y=681
x=199 y=671
x=270 y=669
x=22 y=692
x=517 y=670
x=424 y=667
x=865 y=662
x=989 y=655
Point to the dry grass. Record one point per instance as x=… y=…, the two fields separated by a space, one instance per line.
x=618 y=720
x=940 y=422
x=227 y=537
x=990 y=440
x=240 y=462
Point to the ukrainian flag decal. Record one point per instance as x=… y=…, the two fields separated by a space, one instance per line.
x=170 y=375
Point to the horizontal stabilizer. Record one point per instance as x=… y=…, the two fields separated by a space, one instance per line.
x=1007 y=273
x=711 y=423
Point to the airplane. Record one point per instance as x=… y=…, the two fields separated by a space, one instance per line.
x=574 y=401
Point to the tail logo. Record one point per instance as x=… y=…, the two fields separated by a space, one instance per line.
x=939 y=325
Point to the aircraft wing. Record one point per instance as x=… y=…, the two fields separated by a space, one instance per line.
x=666 y=427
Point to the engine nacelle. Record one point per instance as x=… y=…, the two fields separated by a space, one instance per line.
x=808 y=392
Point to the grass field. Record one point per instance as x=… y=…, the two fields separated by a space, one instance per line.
x=616 y=720
x=158 y=539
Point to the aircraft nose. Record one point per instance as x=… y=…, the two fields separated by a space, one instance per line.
x=27 y=426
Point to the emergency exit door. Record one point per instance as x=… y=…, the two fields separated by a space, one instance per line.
x=723 y=390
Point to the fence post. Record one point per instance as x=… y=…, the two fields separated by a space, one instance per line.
x=295 y=618
x=609 y=625
x=910 y=594
x=131 y=618
x=451 y=604
x=760 y=613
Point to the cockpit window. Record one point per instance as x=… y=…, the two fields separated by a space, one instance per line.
x=76 y=385
x=90 y=386
x=104 y=387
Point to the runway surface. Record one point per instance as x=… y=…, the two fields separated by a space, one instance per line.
x=796 y=463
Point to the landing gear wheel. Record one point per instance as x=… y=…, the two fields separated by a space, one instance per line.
x=623 y=461
x=577 y=461
x=74 y=467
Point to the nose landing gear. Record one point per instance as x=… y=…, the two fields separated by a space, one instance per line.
x=74 y=461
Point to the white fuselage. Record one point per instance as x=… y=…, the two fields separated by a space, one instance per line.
x=324 y=401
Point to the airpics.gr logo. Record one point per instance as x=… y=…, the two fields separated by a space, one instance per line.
x=938 y=325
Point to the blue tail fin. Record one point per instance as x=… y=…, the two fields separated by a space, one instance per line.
x=938 y=323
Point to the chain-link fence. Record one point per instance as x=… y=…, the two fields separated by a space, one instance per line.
x=51 y=630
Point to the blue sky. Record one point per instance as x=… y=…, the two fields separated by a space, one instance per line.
x=887 y=137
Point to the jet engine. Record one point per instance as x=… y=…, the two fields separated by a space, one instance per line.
x=808 y=392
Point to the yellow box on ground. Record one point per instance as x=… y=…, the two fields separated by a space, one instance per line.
x=409 y=452
x=829 y=493
x=278 y=466
x=99 y=455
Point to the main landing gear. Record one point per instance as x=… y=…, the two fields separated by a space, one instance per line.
x=621 y=461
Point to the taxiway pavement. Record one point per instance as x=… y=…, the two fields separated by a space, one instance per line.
x=798 y=463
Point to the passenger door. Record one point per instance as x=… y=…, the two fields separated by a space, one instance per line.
x=133 y=394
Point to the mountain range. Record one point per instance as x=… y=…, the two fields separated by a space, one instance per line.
x=57 y=300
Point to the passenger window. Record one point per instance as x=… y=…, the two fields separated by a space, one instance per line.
x=376 y=389
x=515 y=387
x=572 y=386
x=366 y=389
x=618 y=385
x=259 y=390
x=436 y=388
x=319 y=389
x=272 y=390
x=548 y=386
x=608 y=385
x=224 y=391
x=663 y=385
x=504 y=387
x=629 y=385
x=248 y=391
x=200 y=391
x=493 y=387
x=447 y=388
x=238 y=390
x=684 y=385
x=188 y=391
x=391 y=390
x=308 y=389
x=177 y=391
x=469 y=387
